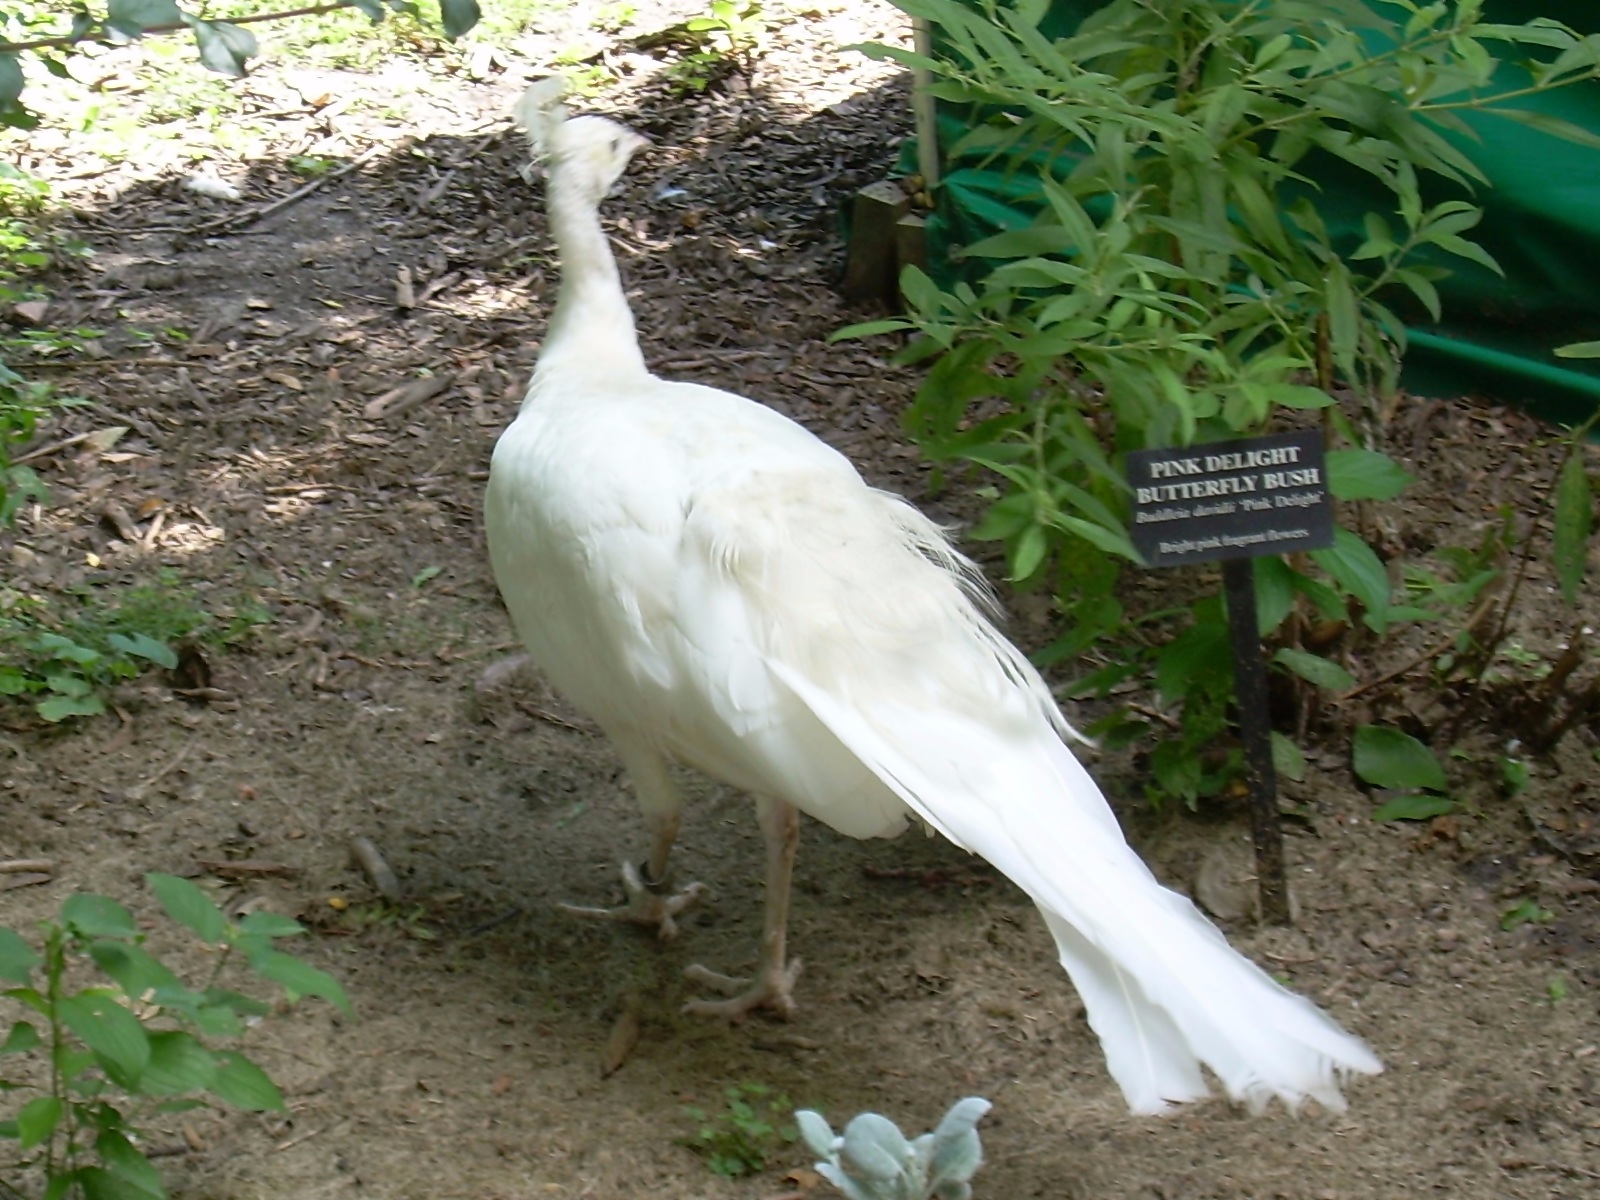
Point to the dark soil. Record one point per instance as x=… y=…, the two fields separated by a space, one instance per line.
x=314 y=449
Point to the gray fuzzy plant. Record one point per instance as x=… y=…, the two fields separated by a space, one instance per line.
x=873 y=1160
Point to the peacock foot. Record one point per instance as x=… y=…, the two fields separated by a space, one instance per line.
x=773 y=988
x=645 y=905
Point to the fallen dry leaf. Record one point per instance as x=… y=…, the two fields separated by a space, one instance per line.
x=624 y=1036
x=407 y=396
x=118 y=518
x=378 y=872
x=102 y=440
x=31 y=312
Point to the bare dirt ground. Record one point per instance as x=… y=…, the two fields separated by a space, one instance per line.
x=271 y=464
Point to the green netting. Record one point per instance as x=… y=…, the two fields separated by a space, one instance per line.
x=1541 y=223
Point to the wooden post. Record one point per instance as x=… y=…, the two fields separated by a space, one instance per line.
x=911 y=243
x=872 y=272
x=885 y=235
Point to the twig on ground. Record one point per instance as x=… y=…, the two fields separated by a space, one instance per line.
x=545 y=715
x=97 y=364
x=246 y=868
x=304 y=1137
x=137 y=791
x=18 y=866
x=1528 y=1164
x=54 y=447
x=493 y=922
x=233 y=222
x=12 y=882
x=1432 y=652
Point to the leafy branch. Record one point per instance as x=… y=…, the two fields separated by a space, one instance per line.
x=103 y=33
x=223 y=46
x=104 y=1058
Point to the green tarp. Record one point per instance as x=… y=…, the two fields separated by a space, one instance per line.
x=1541 y=223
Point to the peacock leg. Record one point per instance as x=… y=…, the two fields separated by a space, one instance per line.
x=774 y=980
x=649 y=900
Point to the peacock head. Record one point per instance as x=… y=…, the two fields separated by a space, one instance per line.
x=588 y=154
x=592 y=153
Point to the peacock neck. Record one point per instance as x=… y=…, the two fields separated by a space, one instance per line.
x=591 y=330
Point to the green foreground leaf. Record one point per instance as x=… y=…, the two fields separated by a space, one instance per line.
x=115 y=1035
x=244 y=1085
x=1421 y=807
x=17 y=958
x=189 y=906
x=1388 y=758
x=1313 y=668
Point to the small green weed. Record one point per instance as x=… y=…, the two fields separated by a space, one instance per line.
x=312 y=166
x=27 y=247
x=64 y=677
x=614 y=17
x=1514 y=775
x=743 y=1138
x=584 y=78
x=99 y=1061
x=22 y=402
x=1525 y=912
x=53 y=343
x=20 y=251
x=731 y=35
x=409 y=920
x=63 y=662
x=22 y=193
x=734 y=28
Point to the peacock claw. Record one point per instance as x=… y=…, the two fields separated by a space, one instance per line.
x=645 y=905
x=772 y=989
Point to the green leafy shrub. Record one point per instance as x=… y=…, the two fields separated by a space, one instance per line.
x=97 y=1061
x=1182 y=285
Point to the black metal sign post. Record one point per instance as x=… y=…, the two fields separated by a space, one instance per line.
x=1229 y=502
x=1261 y=778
